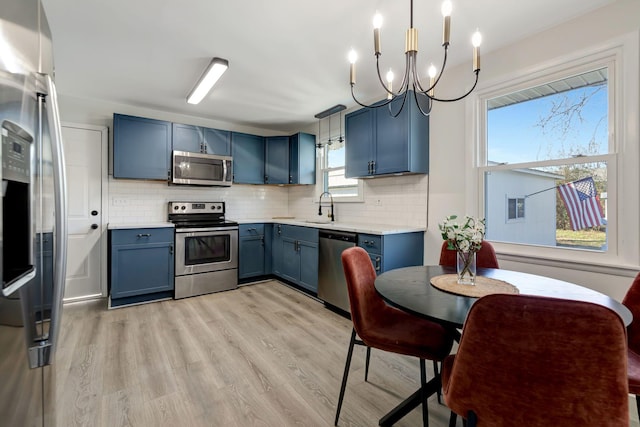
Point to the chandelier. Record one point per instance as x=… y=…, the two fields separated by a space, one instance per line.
x=424 y=98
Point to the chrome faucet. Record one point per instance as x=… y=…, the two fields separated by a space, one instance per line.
x=320 y=205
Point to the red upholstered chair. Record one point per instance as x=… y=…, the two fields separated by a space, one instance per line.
x=486 y=256
x=384 y=327
x=632 y=302
x=539 y=362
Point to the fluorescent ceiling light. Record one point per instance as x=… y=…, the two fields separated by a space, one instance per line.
x=216 y=68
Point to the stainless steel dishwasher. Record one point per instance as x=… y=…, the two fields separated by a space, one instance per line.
x=332 y=286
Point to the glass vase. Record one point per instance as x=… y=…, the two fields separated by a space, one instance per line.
x=466 y=265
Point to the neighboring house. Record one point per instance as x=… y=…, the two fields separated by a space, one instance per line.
x=514 y=213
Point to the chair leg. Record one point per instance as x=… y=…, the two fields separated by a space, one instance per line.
x=638 y=403
x=472 y=419
x=423 y=383
x=453 y=419
x=366 y=365
x=345 y=375
x=437 y=374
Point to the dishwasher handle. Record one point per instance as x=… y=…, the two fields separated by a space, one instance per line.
x=338 y=235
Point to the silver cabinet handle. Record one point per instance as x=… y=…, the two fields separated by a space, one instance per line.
x=143 y=235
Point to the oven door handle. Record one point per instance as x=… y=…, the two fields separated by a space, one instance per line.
x=205 y=230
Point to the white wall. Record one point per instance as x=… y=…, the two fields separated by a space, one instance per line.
x=452 y=140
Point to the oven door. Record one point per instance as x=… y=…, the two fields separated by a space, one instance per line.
x=204 y=250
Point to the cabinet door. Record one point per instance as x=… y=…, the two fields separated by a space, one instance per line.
x=277 y=160
x=392 y=139
x=302 y=159
x=141 y=269
x=248 y=158
x=290 y=263
x=187 y=138
x=308 y=265
x=251 y=254
x=276 y=249
x=217 y=141
x=141 y=147
x=359 y=134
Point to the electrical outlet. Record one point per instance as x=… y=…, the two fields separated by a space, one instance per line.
x=378 y=202
x=120 y=202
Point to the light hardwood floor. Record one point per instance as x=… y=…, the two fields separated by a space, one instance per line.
x=261 y=355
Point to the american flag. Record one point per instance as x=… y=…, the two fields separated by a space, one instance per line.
x=581 y=201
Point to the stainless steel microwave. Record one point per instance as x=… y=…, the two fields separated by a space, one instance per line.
x=201 y=169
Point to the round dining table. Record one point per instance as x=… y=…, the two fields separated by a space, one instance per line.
x=410 y=289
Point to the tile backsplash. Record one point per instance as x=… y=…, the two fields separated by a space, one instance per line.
x=398 y=200
x=133 y=201
x=394 y=200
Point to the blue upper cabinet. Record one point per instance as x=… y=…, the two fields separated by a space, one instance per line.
x=382 y=144
x=302 y=159
x=141 y=147
x=201 y=140
x=217 y=141
x=248 y=158
x=359 y=143
x=276 y=160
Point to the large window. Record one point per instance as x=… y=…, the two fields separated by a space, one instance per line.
x=549 y=145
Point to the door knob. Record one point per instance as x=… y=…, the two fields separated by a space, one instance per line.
x=94 y=213
x=94 y=226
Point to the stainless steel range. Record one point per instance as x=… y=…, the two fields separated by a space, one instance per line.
x=206 y=248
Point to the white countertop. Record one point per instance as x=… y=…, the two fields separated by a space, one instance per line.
x=379 y=229
x=140 y=225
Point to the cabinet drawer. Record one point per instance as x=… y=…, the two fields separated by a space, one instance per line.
x=247 y=230
x=141 y=236
x=308 y=234
x=370 y=242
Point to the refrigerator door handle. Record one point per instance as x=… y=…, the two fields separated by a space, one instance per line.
x=60 y=192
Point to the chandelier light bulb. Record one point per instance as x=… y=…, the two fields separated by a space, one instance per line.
x=389 y=76
x=432 y=71
x=377 y=20
x=446 y=8
x=353 y=56
x=476 y=39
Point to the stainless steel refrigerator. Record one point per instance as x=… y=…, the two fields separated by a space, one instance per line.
x=33 y=230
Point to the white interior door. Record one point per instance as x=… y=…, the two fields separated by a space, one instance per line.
x=83 y=148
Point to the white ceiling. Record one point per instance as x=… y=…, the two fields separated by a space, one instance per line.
x=288 y=58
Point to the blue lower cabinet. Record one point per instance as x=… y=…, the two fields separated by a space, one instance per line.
x=251 y=251
x=295 y=255
x=393 y=250
x=141 y=265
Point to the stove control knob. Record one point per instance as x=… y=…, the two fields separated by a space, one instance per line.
x=176 y=207
x=183 y=207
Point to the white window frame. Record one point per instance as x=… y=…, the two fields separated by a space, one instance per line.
x=621 y=57
x=517 y=218
x=322 y=168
